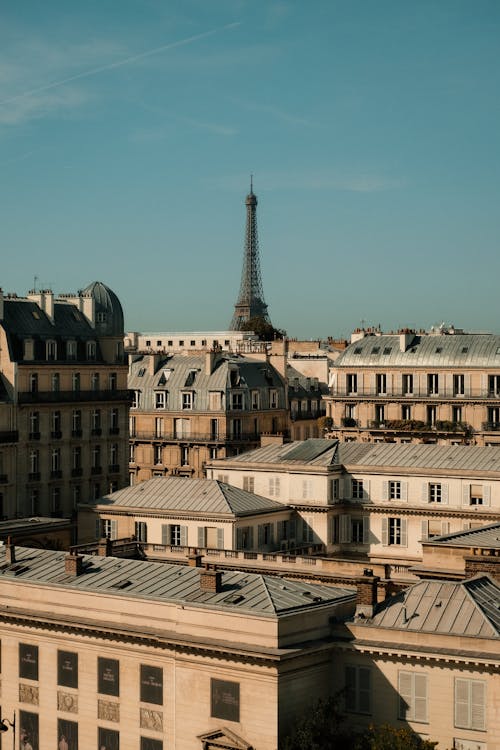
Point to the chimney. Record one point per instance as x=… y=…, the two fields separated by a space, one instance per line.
x=10 y=552
x=194 y=561
x=211 y=358
x=366 y=599
x=405 y=339
x=211 y=580
x=73 y=564
x=104 y=547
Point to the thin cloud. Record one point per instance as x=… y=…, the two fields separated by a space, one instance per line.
x=34 y=92
x=347 y=182
x=275 y=112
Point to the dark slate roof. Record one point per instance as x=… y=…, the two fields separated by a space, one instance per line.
x=178 y=495
x=465 y=608
x=425 y=350
x=106 y=302
x=139 y=579
x=314 y=452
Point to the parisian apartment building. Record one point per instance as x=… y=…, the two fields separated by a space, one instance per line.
x=64 y=400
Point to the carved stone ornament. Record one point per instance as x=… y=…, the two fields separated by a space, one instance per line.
x=108 y=710
x=151 y=719
x=67 y=702
x=28 y=694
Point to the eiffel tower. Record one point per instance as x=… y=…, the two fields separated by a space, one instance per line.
x=250 y=302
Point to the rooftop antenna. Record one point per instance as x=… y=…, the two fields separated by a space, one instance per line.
x=251 y=182
x=35 y=279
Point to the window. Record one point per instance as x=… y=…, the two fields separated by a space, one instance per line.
x=151 y=684
x=456 y=414
x=434 y=527
x=158 y=427
x=67 y=669
x=381 y=383
x=113 y=455
x=432 y=384
x=113 y=421
x=55 y=382
x=181 y=343
x=394 y=490
x=249 y=484
x=274 y=486
x=141 y=531
x=237 y=401
x=273 y=399
x=35 y=502
x=76 y=423
x=225 y=700
x=406 y=411
x=334 y=490
x=380 y=414
x=51 y=350
x=112 y=381
x=357 y=530
x=148 y=342
x=255 y=399
x=213 y=452
x=476 y=494
x=458 y=385
x=34 y=462
x=55 y=424
x=160 y=399
x=431 y=416
x=470 y=704
x=34 y=421
x=412 y=689
x=94 y=381
x=55 y=460
x=184 y=456
x=96 y=458
x=108 y=677
x=407 y=384
x=394 y=532
x=28 y=661
x=96 y=421
x=352 y=382
x=136 y=399
x=109 y=528
x=437 y=493
x=91 y=350
x=358 y=689
x=182 y=428
x=187 y=400
x=214 y=400
x=307 y=489
x=77 y=459
x=101 y=317
x=75 y=381
x=174 y=534
x=357 y=489
x=71 y=350
x=33 y=381
x=158 y=454
x=235 y=428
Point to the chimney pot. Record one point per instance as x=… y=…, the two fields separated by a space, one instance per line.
x=73 y=564
x=211 y=580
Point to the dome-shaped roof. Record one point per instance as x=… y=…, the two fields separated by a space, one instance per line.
x=108 y=309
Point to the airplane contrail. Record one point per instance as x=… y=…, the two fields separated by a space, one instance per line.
x=119 y=63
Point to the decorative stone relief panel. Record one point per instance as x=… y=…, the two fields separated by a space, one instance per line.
x=67 y=702
x=28 y=694
x=108 y=710
x=151 y=719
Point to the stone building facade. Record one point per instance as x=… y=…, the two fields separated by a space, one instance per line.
x=64 y=400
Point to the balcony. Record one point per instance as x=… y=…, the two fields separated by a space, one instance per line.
x=56 y=474
x=114 y=430
x=349 y=422
x=114 y=468
x=34 y=476
x=76 y=433
x=56 y=434
x=418 y=394
x=491 y=426
x=34 y=436
x=195 y=437
x=78 y=472
x=298 y=415
x=415 y=425
x=96 y=431
x=96 y=470
x=56 y=397
x=9 y=436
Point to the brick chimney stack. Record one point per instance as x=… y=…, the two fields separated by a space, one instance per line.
x=366 y=599
x=211 y=580
x=104 y=547
x=73 y=564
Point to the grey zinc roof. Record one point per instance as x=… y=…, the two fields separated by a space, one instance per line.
x=459 y=350
x=465 y=608
x=485 y=536
x=176 y=494
x=255 y=593
x=314 y=452
x=253 y=374
x=440 y=457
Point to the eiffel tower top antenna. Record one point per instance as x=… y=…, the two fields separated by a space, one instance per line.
x=250 y=303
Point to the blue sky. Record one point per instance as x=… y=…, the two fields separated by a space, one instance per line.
x=128 y=131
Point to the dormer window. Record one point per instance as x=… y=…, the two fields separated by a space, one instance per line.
x=136 y=400
x=71 y=349
x=160 y=399
x=29 y=349
x=190 y=378
x=187 y=400
x=101 y=317
x=51 y=351
x=91 y=350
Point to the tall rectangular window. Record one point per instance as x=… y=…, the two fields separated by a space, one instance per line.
x=470 y=704
x=358 y=689
x=225 y=700
x=141 y=531
x=381 y=383
x=432 y=384
x=108 y=676
x=352 y=382
x=151 y=684
x=249 y=484
x=274 y=486
x=407 y=384
x=412 y=688
x=28 y=661
x=458 y=385
x=67 y=669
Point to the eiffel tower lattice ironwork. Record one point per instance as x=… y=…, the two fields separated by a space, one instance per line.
x=250 y=302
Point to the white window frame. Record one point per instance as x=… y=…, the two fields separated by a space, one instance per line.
x=160 y=400
x=413 y=697
x=470 y=705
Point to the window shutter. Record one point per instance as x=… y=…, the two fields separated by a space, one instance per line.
x=466 y=494
x=292 y=528
x=462 y=703
x=405 y=694
x=466 y=525
x=444 y=494
x=239 y=538
x=425 y=492
x=345 y=529
x=477 y=712
x=385 y=490
x=165 y=533
x=420 y=706
x=404 y=490
x=114 y=529
x=385 y=531
x=201 y=536
x=184 y=536
x=260 y=536
x=280 y=526
x=445 y=528
x=484 y=384
x=364 y=690
x=366 y=530
x=425 y=531
x=404 y=532
x=250 y=538
x=341 y=481
x=486 y=494
x=366 y=489
x=220 y=537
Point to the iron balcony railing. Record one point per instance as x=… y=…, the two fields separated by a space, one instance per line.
x=55 y=397
x=417 y=393
x=195 y=437
x=9 y=436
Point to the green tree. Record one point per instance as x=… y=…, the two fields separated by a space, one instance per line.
x=387 y=737
x=264 y=330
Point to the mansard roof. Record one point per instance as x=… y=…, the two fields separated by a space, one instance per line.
x=312 y=452
x=195 y=496
x=422 y=350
